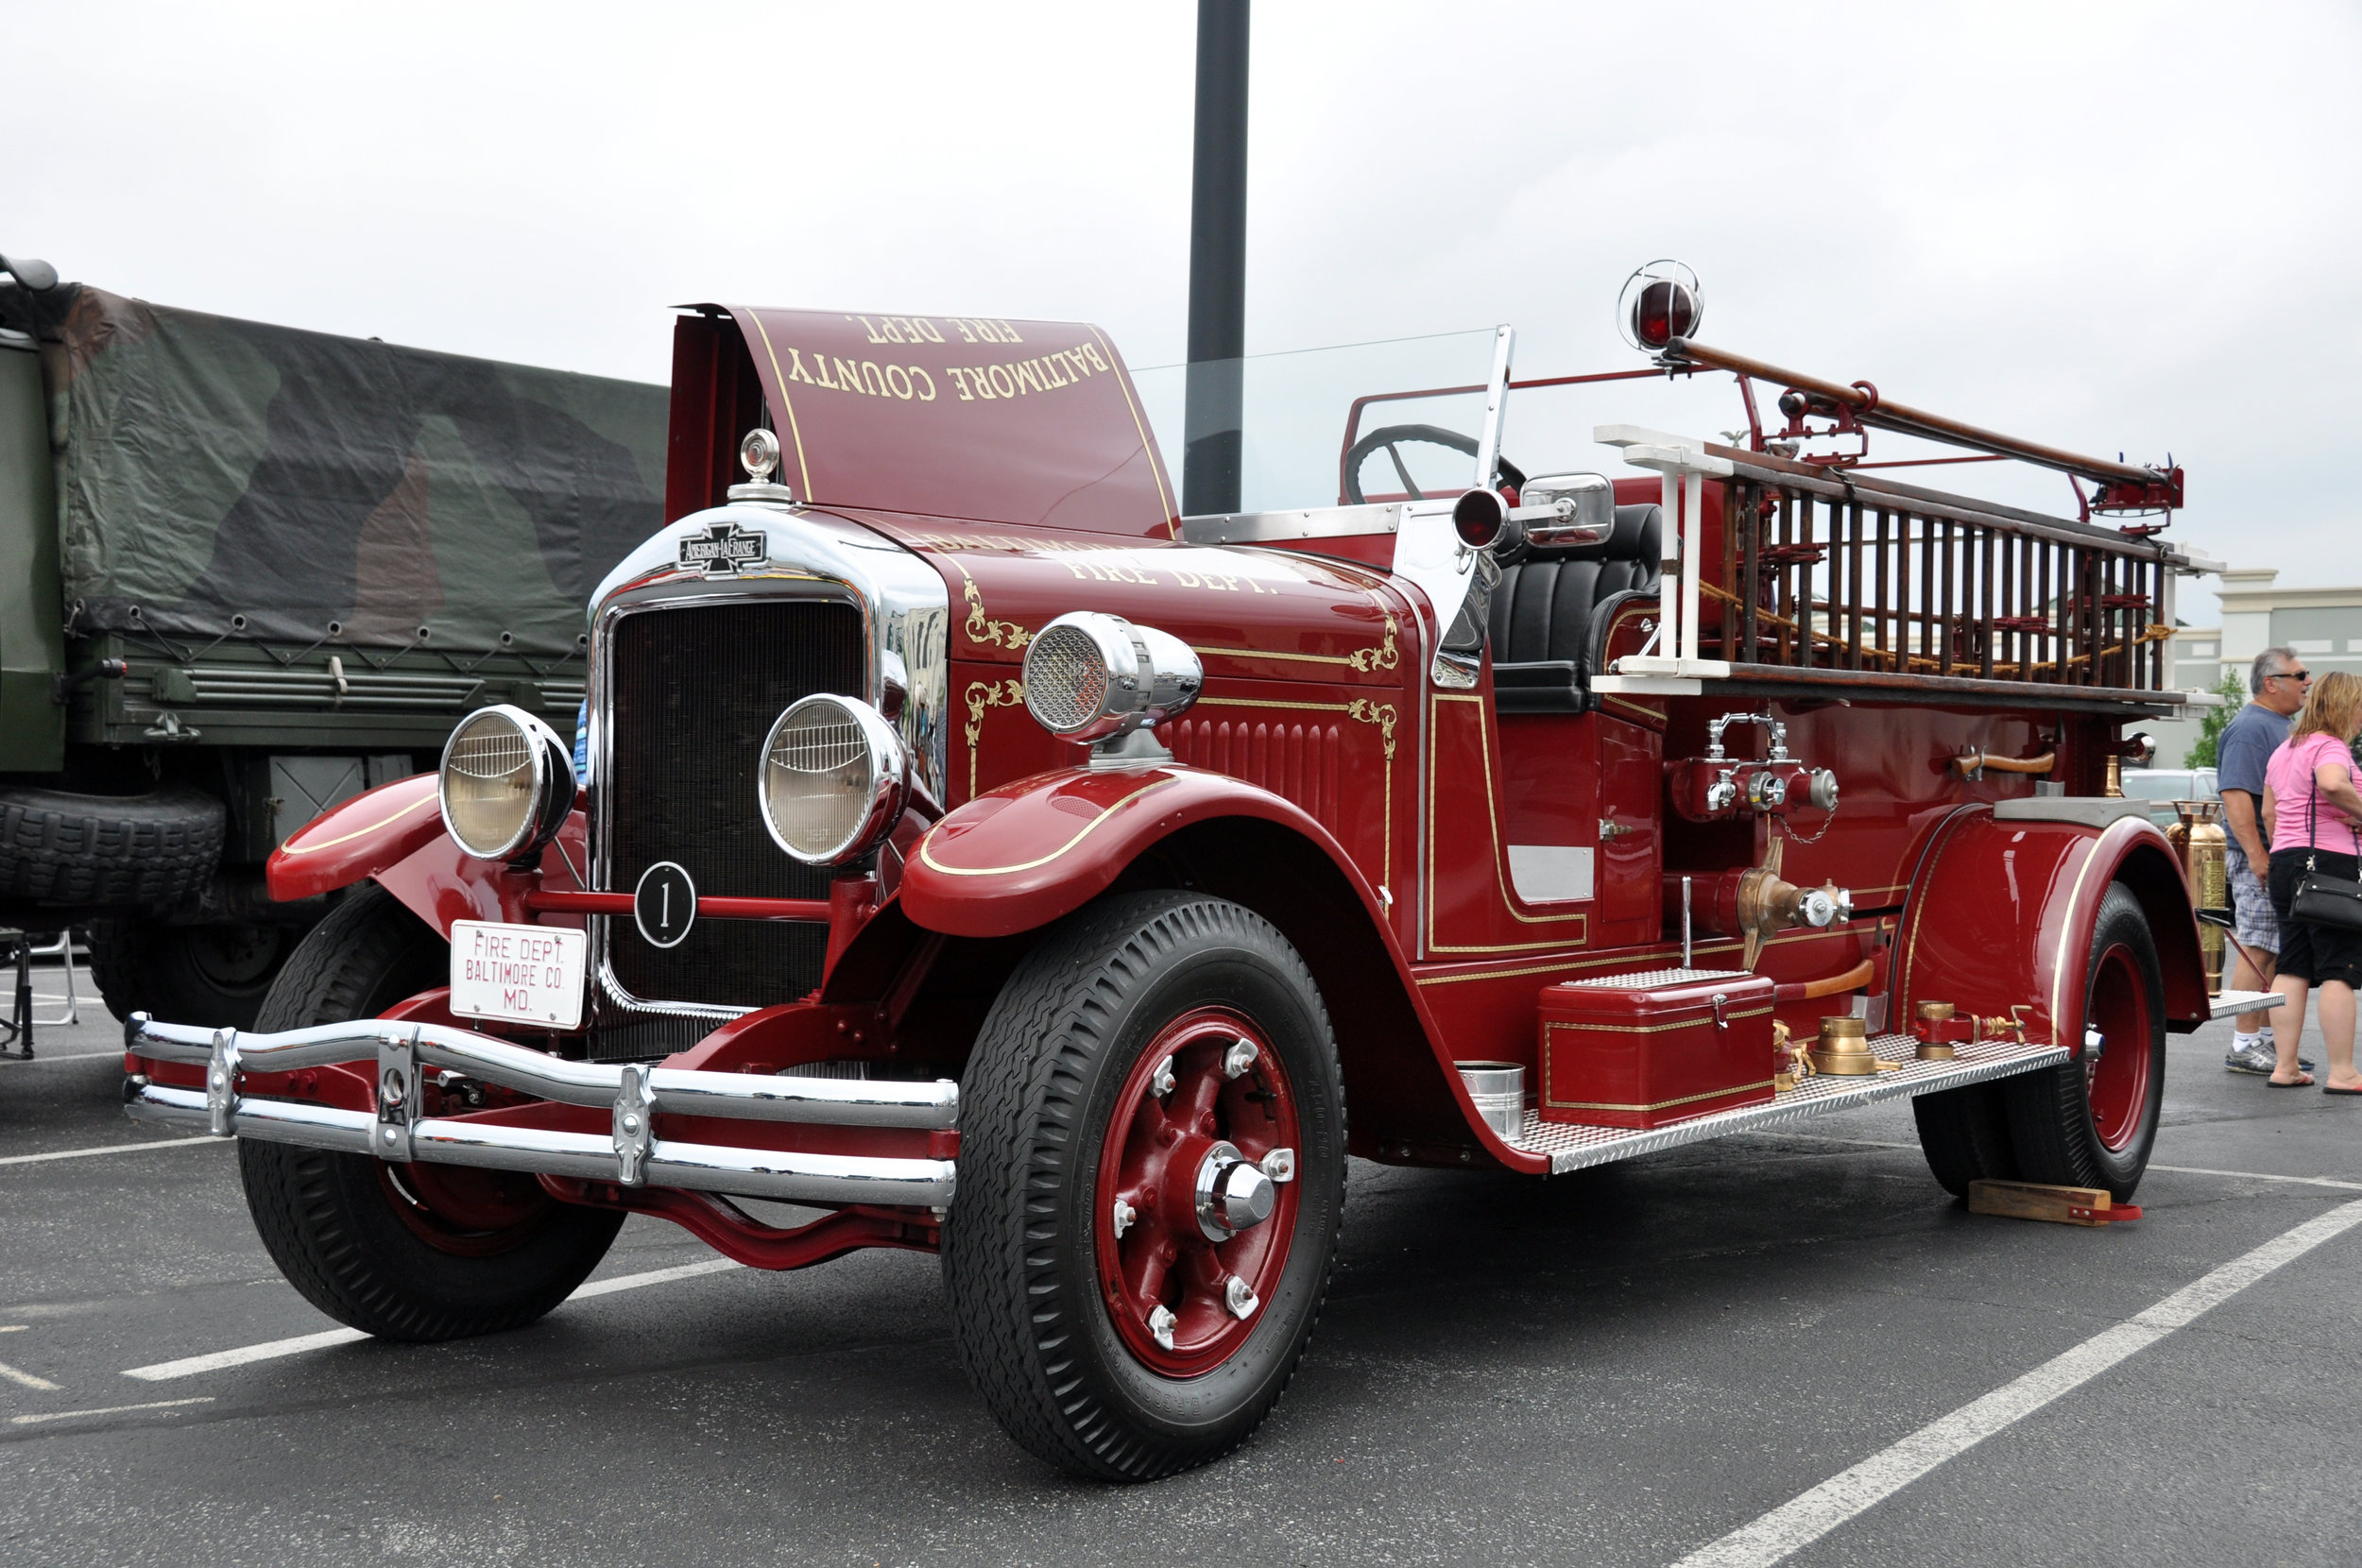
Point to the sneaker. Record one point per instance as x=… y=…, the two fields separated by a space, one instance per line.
x=2303 y=1063
x=2256 y=1059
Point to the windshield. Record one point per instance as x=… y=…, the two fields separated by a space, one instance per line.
x=1331 y=426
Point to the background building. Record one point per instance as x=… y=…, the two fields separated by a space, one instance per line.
x=2322 y=624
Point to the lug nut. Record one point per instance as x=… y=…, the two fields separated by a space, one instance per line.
x=1280 y=1164
x=1125 y=1215
x=1239 y=1298
x=1160 y=1084
x=1160 y=1321
x=1239 y=1058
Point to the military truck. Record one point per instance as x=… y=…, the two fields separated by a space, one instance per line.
x=248 y=571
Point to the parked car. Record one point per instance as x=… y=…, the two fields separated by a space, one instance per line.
x=2161 y=787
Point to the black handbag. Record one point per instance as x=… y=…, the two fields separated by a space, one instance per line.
x=2322 y=900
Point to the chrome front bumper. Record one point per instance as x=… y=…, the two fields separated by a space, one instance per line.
x=630 y=1155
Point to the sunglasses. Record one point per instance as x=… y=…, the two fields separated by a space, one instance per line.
x=2291 y=674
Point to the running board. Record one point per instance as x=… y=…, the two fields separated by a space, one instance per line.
x=2229 y=1004
x=1572 y=1148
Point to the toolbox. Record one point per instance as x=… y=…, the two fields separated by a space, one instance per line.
x=1662 y=1046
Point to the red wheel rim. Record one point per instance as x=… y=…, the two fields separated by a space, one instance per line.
x=464 y=1212
x=1151 y=1154
x=2118 y=1081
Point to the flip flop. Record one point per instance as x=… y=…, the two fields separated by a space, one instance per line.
x=2305 y=1080
x=2330 y=1089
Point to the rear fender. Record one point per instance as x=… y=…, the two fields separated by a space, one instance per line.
x=1032 y=852
x=2013 y=905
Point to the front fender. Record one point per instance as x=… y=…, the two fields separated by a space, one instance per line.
x=2001 y=919
x=1022 y=856
x=1030 y=852
x=357 y=839
x=394 y=836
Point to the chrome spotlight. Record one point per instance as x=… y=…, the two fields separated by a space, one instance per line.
x=1098 y=678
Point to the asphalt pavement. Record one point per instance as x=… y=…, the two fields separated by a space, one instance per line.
x=1620 y=1367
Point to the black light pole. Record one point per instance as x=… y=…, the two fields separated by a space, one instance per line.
x=1209 y=464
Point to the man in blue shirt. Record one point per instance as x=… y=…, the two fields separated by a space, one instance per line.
x=2278 y=679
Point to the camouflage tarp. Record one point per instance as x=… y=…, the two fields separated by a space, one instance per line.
x=210 y=468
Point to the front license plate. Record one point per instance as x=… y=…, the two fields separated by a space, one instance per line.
x=526 y=974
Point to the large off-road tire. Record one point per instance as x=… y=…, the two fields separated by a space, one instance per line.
x=1065 y=1110
x=1966 y=1134
x=145 y=851
x=2091 y=1122
x=403 y=1252
x=214 y=975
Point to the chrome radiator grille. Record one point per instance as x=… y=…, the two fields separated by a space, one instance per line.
x=692 y=692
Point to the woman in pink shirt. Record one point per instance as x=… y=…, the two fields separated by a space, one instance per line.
x=2313 y=818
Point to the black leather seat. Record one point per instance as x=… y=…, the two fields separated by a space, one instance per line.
x=1550 y=614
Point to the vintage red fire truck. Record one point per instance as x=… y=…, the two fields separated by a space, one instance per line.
x=973 y=849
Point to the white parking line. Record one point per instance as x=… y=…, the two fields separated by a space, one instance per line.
x=2261 y=1176
x=111 y=1148
x=36 y=1059
x=272 y=1349
x=108 y=1411
x=1799 y=1523
x=654 y=1276
x=41 y=1056
x=28 y=1379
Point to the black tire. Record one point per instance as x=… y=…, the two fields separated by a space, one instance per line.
x=145 y=851
x=2058 y=1136
x=1062 y=1040
x=350 y=1232
x=1966 y=1134
x=215 y=975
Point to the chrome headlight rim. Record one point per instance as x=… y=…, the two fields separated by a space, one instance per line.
x=551 y=796
x=888 y=790
x=1148 y=676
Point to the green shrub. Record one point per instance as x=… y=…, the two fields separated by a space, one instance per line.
x=2210 y=728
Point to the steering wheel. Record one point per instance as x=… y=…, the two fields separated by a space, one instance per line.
x=1391 y=437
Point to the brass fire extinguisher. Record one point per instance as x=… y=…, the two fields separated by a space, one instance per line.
x=2197 y=838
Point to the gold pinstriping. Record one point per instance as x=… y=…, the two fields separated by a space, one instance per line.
x=794 y=431
x=926 y=845
x=360 y=832
x=1492 y=828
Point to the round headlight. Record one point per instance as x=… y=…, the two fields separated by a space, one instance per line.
x=506 y=784
x=1090 y=675
x=834 y=780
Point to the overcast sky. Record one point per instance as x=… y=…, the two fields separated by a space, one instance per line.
x=2109 y=226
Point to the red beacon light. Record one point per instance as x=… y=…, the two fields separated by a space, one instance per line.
x=1660 y=303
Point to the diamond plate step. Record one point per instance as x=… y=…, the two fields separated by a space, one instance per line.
x=2229 y=1004
x=1572 y=1148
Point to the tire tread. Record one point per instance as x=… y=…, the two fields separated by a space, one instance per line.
x=1027 y=1085
x=309 y=1205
